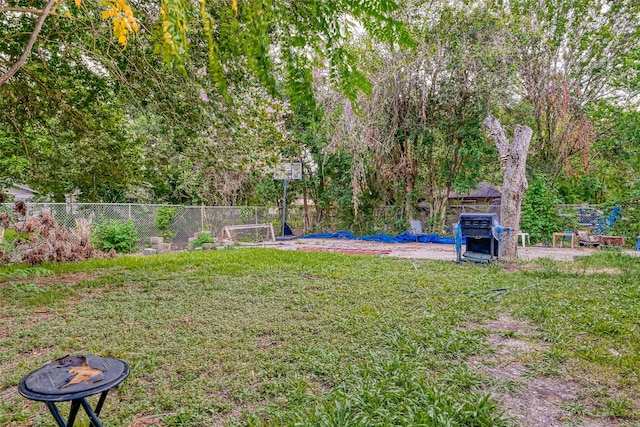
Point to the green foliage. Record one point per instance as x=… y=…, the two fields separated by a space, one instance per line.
x=164 y=216
x=203 y=237
x=12 y=236
x=25 y=273
x=540 y=217
x=120 y=236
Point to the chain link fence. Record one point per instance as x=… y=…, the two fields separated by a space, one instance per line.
x=189 y=220
x=186 y=223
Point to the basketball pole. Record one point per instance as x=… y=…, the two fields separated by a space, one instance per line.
x=284 y=206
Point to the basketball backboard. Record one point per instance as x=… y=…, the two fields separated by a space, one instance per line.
x=289 y=171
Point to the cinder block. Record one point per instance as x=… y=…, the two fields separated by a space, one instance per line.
x=149 y=251
x=208 y=246
x=164 y=247
x=155 y=241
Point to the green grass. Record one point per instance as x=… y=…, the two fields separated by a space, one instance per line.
x=264 y=337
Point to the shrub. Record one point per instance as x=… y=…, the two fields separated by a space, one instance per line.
x=164 y=216
x=540 y=216
x=119 y=236
x=203 y=237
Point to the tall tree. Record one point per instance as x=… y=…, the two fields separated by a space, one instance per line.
x=572 y=55
x=263 y=35
x=513 y=155
x=420 y=132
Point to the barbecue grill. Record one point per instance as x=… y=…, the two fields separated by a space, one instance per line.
x=482 y=246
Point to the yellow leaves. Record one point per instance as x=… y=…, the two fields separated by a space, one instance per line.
x=234 y=6
x=78 y=2
x=109 y=13
x=123 y=20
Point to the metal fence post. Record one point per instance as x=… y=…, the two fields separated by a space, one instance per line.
x=202 y=217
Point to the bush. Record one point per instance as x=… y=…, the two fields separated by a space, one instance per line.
x=164 y=216
x=119 y=236
x=540 y=216
x=203 y=237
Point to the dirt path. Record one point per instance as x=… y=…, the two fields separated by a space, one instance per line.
x=539 y=401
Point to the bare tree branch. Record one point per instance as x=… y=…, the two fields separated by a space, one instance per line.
x=34 y=35
x=498 y=134
x=23 y=10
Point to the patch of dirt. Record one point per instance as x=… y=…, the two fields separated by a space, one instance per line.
x=43 y=281
x=267 y=342
x=415 y=250
x=147 y=420
x=540 y=401
x=8 y=393
x=8 y=322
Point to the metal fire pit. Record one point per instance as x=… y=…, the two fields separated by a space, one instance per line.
x=74 y=378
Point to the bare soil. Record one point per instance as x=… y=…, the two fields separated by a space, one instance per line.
x=536 y=402
x=416 y=250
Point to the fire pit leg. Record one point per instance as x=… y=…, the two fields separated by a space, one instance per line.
x=56 y=414
x=103 y=396
x=75 y=405
x=95 y=422
x=73 y=412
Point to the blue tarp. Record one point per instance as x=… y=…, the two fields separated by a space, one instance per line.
x=405 y=237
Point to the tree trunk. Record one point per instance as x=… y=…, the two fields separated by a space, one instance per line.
x=307 y=215
x=438 y=210
x=408 y=198
x=514 y=158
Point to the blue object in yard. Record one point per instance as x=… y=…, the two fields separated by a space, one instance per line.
x=638 y=244
x=405 y=237
x=484 y=236
x=338 y=235
x=459 y=242
x=605 y=224
x=383 y=238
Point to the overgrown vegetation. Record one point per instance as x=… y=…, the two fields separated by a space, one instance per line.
x=39 y=238
x=254 y=337
x=203 y=237
x=540 y=217
x=370 y=130
x=122 y=237
x=164 y=216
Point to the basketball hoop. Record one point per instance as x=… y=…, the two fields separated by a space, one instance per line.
x=289 y=171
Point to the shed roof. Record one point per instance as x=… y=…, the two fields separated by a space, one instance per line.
x=20 y=192
x=484 y=191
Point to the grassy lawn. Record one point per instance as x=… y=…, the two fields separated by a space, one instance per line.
x=262 y=337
